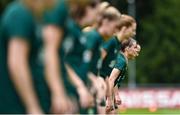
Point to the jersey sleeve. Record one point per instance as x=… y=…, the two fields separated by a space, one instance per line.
x=120 y=63
x=19 y=24
x=91 y=40
x=58 y=15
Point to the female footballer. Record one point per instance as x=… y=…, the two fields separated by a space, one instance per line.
x=95 y=37
x=127 y=52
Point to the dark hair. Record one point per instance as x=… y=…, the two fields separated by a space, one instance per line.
x=93 y=3
x=127 y=43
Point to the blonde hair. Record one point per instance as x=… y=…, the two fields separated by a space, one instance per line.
x=126 y=20
x=110 y=13
x=103 y=6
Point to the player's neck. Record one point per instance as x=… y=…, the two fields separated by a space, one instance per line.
x=102 y=32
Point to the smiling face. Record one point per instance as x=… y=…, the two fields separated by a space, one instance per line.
x=130 y=31
x=130 y=48
x=133 y=51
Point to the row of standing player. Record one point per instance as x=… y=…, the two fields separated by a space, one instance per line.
x=108 y=65
x=47 y=61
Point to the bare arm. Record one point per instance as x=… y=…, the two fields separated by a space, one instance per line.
x=18 y=54
x=103 y=53
x=74 y=78
x=86 y=98
x=92 y=78
x=114 y=75
x=52 y=38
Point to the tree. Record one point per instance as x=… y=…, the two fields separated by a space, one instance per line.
x=159 y=61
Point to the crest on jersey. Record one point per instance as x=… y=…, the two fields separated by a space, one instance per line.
x=68 y=44
x=87 y=56
x=115 y=51
x=111 y=65
x=83 y=40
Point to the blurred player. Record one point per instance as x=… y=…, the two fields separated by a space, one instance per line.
x=109 y=49
x=21 y=89
x=95 y=37
x=127 y=52
x=53 y=33
x=59 y=34
x=126 y=29
x=74 y=46
x=100 y=9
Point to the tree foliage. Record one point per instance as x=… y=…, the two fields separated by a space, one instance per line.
x=158 y=34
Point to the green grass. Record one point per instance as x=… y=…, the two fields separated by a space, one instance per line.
x=146 y=111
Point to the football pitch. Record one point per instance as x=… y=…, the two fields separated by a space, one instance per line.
x=149 y=112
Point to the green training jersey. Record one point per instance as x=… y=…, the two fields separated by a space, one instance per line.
x=58 y=16
x=74 y=46
x=94 y=41
x=120 y=64
x=19 y=22
x=112 y=47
